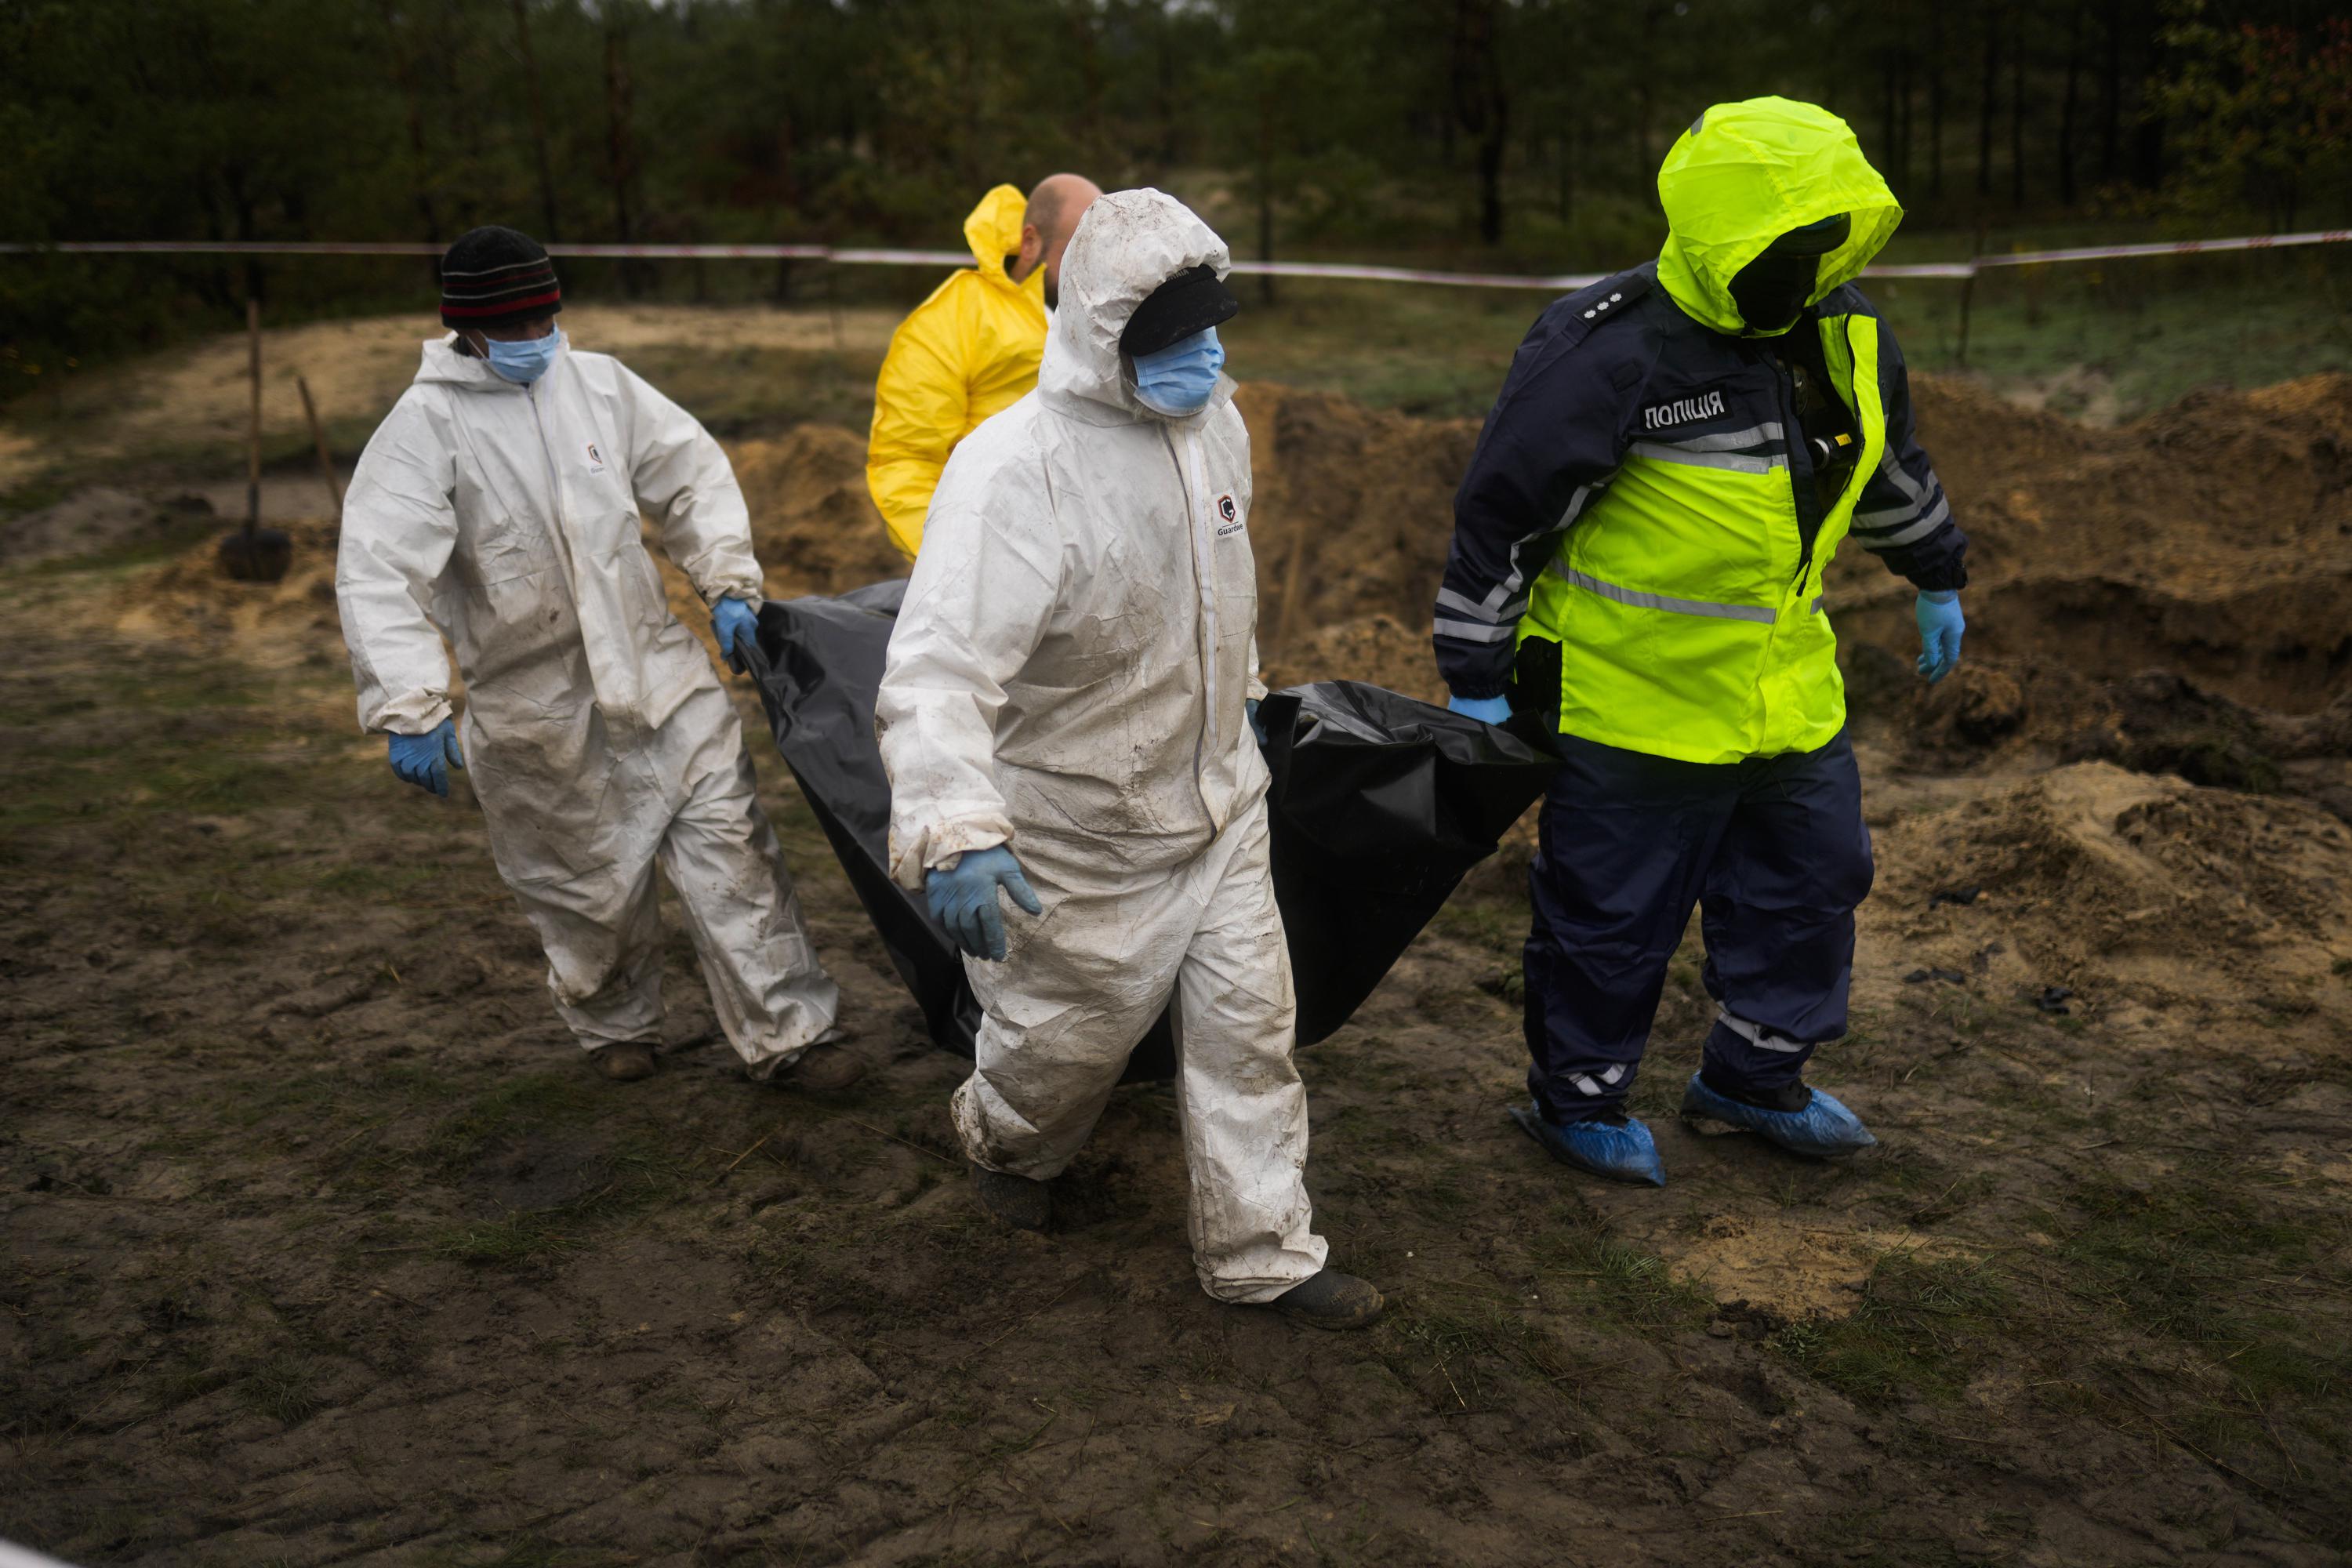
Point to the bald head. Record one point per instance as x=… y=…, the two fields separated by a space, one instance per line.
x=1055 y=208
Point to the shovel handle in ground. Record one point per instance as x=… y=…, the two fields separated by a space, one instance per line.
x=255 y=553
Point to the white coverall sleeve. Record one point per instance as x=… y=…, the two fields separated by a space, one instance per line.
x=685 y=482
x=399 y=528
x=983 y=590
x=1257 y=687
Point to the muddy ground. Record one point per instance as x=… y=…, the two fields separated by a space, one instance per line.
x=322 y=1246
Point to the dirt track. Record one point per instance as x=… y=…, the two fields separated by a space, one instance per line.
x=322 y=1248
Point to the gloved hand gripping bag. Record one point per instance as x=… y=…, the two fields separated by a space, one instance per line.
x=1379 y=805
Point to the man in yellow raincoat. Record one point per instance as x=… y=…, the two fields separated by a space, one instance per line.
x=971 y=349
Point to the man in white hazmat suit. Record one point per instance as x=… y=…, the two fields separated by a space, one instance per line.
x=499 y=504
x=1066 y=714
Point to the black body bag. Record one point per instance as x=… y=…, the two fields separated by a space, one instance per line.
x=1379 y=805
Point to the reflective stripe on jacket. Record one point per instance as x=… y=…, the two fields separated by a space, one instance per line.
x=968 y=352
x=1641 y=514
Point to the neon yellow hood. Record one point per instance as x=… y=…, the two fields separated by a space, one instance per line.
x=1745 y=173
x=993 y=232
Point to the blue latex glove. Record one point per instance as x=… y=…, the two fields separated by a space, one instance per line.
x=1486 y=710
x=1258 y=726
x=425 y=759
x=1940 y=626
x=731 y=619
x=963 y=899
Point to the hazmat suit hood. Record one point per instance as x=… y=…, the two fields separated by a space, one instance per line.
x=446 y=364
x=993 y=232
x=1127 y=243
x=1747 y=173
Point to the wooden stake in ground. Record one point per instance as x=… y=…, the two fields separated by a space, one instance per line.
x=255 y=553
x=253 y=430
x=319 y=440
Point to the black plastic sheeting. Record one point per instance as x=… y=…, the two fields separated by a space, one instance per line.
x=1379 y=805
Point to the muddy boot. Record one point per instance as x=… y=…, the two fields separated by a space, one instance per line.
x=1332 y=1300
x=824 y=1068
x=1016 y=1201
x=626 y=1062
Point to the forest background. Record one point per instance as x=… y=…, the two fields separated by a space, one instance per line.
x=1472 y=132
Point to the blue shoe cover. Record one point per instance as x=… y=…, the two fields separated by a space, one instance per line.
x=1621 y=1154
x=1824 y=1129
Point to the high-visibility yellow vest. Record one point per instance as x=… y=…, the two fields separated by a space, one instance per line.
x=1687 y=607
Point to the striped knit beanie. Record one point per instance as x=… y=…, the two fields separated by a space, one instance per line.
x=494 y=277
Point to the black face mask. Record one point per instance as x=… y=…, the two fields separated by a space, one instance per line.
x=1773 y=291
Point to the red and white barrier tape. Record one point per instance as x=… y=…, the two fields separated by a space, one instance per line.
x=1351 y=272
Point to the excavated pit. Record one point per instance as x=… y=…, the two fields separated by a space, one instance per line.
x=2169 y=602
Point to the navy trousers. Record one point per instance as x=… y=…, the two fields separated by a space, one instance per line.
x=1776 y=850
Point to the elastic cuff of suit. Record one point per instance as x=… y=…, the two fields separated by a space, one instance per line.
x=1478 y=693
x=1946 y=580
x=1562 y=1113
x=1789 y=1094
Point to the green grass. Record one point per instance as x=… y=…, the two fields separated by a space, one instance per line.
x=2170 y=1251
x=2116 y=340
x=1921 y=1330
x=1595 y=1273
x=539 y=1101
x=122 y=559
x=750 y=391
x=2153 y=331
x=513 y=1239
x=1437 y=352
x=147 y=733
x=284 y=1387
x=2248 y=1295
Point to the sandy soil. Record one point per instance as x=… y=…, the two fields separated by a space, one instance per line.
x=324 y=1248
x=196 y=399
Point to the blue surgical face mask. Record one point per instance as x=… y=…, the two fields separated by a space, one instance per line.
x=525 y=361
x=1178 y=380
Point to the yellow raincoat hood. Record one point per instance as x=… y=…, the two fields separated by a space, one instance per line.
x=1745 y=173
x=993 y=232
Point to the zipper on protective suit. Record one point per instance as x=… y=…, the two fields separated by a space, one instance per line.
x=565 y=544
x=554 y=489
x=1205 y=597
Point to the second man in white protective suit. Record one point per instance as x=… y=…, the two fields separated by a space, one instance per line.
x=497 y=505
x=1067 y=717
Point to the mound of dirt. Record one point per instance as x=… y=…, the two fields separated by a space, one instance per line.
x=97 y=519
x=1996 y=715
x=274 y=625
x=2099 y=874
x=2212 y=538
x=1352 y=511
x=1372 y=649
x=813 y=523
